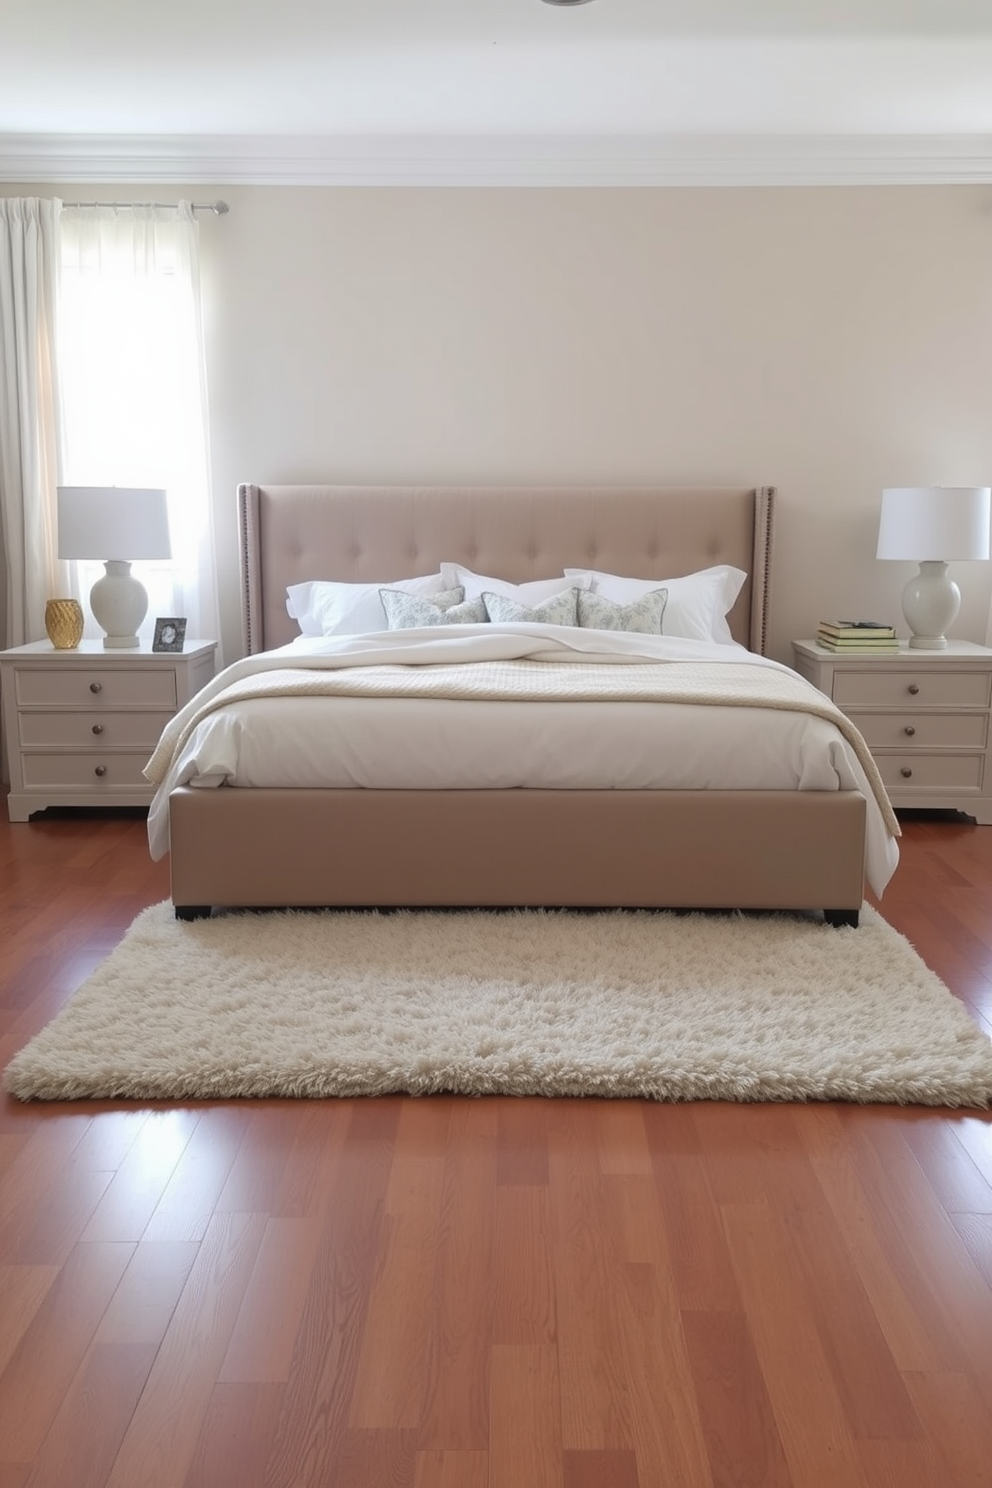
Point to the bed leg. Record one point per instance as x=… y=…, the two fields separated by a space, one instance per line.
x=192 y=911
x=841 y=917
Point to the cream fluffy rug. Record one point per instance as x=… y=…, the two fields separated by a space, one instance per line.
x=529 y=1002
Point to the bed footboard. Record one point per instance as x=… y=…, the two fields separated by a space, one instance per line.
x=630 y=849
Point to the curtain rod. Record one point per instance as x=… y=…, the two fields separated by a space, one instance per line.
x=217 y=207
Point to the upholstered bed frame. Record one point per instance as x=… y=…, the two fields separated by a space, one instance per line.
x=685 y=849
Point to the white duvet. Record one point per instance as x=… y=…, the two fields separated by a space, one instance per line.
x=404 y=742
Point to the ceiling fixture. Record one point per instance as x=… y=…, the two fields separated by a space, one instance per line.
x=566 y=2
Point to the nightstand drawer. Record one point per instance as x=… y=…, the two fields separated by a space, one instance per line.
x=899 y=687
x=94 y=771
x=93 y=730
x=95 y=687
x=922 y=730
x=929 y=772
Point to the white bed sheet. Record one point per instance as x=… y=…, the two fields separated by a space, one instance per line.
x=411 y=743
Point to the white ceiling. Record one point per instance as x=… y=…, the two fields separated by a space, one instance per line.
x=494 y=90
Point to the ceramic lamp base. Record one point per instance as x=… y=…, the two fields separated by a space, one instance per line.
x=930 y=603
x=119 y=603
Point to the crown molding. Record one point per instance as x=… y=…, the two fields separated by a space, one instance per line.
x=664 y=160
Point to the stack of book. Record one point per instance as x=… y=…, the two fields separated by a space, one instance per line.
x=857 y=635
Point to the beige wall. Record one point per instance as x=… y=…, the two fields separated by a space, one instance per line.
x=825 y=341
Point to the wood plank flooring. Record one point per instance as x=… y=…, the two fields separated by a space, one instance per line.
x=448 y=1293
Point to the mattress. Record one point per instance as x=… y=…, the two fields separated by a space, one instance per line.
x=556 y=736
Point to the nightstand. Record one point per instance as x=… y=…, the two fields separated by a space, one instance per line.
x=81 y=725
x=924 y=716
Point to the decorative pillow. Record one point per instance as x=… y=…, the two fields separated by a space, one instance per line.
x=697 y=603
x=558 y=610
x=409 y=611
x=530 y=593
x=645 y=615
x=321 y=607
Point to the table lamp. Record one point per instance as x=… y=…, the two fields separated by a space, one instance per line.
x=932 y=525
x=96 y=520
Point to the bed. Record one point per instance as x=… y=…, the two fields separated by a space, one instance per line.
x=264 y=845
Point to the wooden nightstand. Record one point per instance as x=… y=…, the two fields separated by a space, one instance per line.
x=924 y=716
x=81 y=725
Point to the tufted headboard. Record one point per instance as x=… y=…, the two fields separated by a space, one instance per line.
x=290 y=534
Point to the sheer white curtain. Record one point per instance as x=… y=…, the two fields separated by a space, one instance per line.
x=133 y=388
x=29 y=424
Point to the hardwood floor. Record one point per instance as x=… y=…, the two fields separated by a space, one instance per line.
x=450 y=1293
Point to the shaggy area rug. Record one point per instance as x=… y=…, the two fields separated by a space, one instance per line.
x=557 y=1003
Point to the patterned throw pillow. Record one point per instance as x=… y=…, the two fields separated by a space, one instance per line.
x=698 y=603
x=410 y=611
x=558 y=610
x=645 y=614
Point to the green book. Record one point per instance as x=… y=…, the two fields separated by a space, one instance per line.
x=857 y=629
x=879 y=643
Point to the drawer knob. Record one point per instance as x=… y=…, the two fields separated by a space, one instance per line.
x=98 y=729
x=909 y=729
x=906 y=772
x=100 y=770
x=98 y=687
x=914 y=688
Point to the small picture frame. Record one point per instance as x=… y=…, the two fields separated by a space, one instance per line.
x=170 y=634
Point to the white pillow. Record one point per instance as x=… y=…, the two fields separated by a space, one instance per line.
x=530 y=594
x=698 y=603
x=324 y=608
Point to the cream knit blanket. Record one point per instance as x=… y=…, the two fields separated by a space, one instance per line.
x=708 y=683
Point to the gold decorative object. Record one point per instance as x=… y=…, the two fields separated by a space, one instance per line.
x=64 y=623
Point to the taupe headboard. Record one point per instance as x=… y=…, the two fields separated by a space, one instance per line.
x=290 y=534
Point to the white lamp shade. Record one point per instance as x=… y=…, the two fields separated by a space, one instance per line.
x=925 y=523
x=117 y=522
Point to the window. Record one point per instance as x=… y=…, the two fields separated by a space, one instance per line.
x=132 y=387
